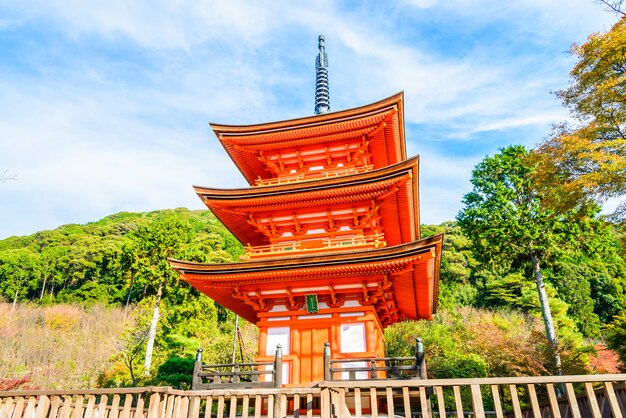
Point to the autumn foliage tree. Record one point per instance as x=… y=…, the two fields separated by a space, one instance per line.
x=589 y=157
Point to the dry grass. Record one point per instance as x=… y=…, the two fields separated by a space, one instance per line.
x=57 y=347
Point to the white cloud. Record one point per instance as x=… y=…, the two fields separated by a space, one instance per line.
x=443 y=181
x=114 y=116
x=156 y=24
x=421 y=4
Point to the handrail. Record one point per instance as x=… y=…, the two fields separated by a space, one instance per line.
x=237 y=376
x=312 y=175
x=375 y=366
x=327 y=244
x=586 y=378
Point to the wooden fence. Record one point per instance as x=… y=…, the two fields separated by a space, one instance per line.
x=597 y=396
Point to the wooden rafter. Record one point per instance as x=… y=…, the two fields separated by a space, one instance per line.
x=331 y=223
x=297 y=225
x=260 y=227
x=372 y=212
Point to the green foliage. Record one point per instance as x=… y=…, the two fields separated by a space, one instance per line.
x=94 y=262
x=20 y=271
x=462 y=365
x=174 y=371
x=506 y=219
x=488 y=311
x=616 y=337
x=470 y=342
x=503 y=216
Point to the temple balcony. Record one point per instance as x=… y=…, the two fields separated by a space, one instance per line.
x=328 y=244
x=312 y=175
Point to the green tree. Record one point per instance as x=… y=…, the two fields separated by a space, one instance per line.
x=456 y=286
x=52 y=259
x=19 y=274
x=504 y=218
x=150 y=248
x=616 y=337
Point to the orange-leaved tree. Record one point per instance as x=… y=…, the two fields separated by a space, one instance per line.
x=589 y=157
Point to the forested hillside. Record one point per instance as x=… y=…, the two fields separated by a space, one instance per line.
x=70 y=281
x=107 y=265
x=92 y=262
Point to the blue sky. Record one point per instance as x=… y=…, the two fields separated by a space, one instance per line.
x=104 y=106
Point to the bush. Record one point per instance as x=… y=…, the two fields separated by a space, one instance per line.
x=616 y=337
x=175 y=371
x=62 y=317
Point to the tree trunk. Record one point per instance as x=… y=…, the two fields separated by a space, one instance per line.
x=130 y=291
x=152 y=334
x=43 y=289
x=545 y=311
x=13 y=306
x=132 y=372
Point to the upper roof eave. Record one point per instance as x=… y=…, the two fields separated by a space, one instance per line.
x=251 y=173
x=396 y=99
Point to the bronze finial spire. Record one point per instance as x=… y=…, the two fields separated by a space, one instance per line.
x=322 y=97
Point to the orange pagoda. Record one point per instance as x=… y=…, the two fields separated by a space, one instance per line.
x=331 y=231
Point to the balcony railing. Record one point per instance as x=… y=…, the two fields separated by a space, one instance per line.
x=238 y=375
x=312 y=175
x=375 y=368
x=315 y=245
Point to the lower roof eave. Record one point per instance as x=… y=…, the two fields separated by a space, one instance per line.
x=432 y=243
x=422 y=303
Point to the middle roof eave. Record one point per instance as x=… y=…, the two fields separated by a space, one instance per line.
x=234 y=207
x=408 y=165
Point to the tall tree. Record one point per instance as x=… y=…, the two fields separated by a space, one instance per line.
x=51 y=260
x=146 y=258
x=19 y=273
x=589 y=157
x=504 y=218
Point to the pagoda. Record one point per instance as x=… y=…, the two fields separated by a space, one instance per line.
x=331 y=232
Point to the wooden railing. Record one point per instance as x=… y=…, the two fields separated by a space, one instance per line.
x=375 y=368
x=158 y=402
x=312 y=175
x=596 y=396
x=320 y=245
x=238 y=375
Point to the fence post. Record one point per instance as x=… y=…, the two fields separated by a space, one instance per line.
x=278 y=378
x=420 y=359
x=325 y=403
x=327 y=373
x=278 y=367
x=196 y=380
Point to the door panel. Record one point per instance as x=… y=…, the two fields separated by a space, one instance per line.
x=312 y=354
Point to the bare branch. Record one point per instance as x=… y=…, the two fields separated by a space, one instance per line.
x=613 y=6
x=6 y=176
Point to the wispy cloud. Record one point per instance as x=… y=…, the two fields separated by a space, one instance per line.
x=104 y=105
